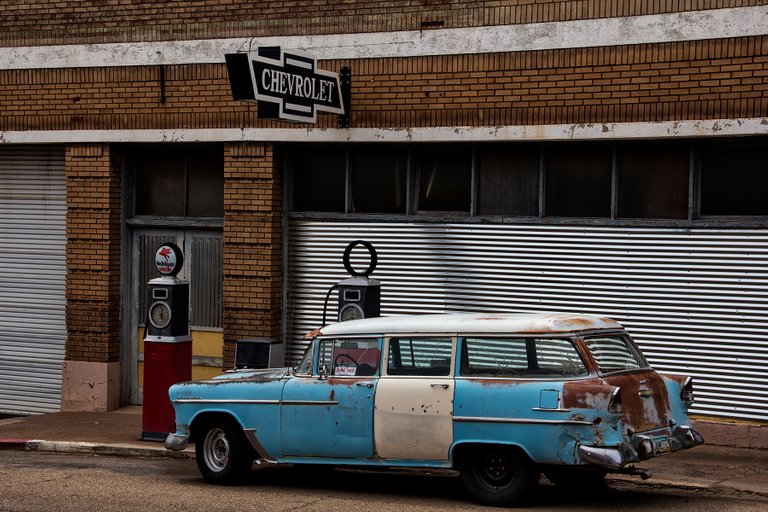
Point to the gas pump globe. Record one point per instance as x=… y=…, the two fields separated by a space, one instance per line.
x=167 y=343
x=359 y=296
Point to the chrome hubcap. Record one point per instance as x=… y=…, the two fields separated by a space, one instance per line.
x=216 y=449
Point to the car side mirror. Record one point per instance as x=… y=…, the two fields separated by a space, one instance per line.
x=322 y=372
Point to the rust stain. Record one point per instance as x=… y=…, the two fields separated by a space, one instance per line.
x=644 y=398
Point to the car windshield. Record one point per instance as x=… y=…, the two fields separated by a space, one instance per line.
x=615 y=353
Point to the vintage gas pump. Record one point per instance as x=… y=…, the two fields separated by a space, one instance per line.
x=167 y=343
x=359 y=296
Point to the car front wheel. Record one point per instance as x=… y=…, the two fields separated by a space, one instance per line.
x=222 y=452
x=498 y=476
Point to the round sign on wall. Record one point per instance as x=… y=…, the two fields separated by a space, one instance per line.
x=169 y=259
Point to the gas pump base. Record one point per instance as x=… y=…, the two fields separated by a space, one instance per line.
x=167 y=361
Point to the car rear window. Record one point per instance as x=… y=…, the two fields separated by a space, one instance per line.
x=615 y=353
x=520 y=357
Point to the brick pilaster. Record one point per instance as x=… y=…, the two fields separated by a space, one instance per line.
x=93 y=254
x=253 y=239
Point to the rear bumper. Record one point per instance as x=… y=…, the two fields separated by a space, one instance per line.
x=641 y=447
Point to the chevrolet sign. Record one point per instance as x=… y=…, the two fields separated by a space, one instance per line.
x=288 y=82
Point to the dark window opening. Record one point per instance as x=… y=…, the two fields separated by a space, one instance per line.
x=445 y=179
x=578 y=181
x=734 y=179
x=508 y=181
x=378 y=180
x=653 y=181
x=176 y=182
x=630 y=181
x=319 y=177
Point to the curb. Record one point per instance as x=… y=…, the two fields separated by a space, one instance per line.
x=10 y=443
x=118 y=450
x=711 y=486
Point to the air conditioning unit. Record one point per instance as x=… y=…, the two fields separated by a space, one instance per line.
x=259 y=353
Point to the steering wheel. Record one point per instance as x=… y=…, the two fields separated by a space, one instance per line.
x=340 y=356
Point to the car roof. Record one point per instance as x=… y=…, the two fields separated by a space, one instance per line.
x=473 y=323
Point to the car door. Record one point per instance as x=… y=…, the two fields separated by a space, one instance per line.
x=413 y=418
x=330 y=414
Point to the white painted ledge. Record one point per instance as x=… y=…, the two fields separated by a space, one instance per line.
x=658 y=28
x=552 y=132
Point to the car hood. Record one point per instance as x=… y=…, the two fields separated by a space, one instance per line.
x=251 y=375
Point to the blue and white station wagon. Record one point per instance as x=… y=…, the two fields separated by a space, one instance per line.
x=500 y=398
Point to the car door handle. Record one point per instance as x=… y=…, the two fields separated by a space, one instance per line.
x=444 y=386
x=364 y=384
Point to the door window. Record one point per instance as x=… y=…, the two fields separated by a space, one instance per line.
x=350 y=357
x=420 y=356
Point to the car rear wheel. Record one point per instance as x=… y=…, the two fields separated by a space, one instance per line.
x=222 y=452
x=498 y=476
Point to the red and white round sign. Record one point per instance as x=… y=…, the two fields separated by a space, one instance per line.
x=169 y=259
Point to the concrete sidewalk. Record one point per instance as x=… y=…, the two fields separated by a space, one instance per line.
x=707 y=467
x=108 y=433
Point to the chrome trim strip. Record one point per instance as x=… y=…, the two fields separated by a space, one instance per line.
x=310 y=402
x=250 y=434
x=523 y=421
x=544 y=409
x=224 y=401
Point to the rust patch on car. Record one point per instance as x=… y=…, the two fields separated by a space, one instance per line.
x=644 y=399
x=592 y=394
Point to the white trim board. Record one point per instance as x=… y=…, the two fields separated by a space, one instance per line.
x=657 y=28
x=553 y=132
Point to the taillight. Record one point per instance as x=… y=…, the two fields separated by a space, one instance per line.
x=686 y=392
x=614 y=405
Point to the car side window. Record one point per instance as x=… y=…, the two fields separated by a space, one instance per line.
x=614 y=353
x=350 y=357
x=524 y=357
x=420 y=356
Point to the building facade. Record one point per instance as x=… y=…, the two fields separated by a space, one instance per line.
x=605 y=157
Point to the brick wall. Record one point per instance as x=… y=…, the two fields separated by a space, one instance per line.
x=253 y=240
x=642 y=83
x=39 y=22
x=93 y=253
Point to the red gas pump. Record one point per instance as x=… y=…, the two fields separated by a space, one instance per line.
x=167 y=343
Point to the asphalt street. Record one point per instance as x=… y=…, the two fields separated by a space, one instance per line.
x=36 y=481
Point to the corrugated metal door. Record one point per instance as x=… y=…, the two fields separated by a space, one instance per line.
x=33 y=331
x=695 y=299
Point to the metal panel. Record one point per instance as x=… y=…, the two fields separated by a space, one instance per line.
x=207 y=278
x=694 y=299
x=203 y=256
x=32 y=277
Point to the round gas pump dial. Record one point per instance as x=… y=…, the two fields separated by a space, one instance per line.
x=160 y=314
x=351 y=312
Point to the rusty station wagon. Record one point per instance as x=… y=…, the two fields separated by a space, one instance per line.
x=501 y=398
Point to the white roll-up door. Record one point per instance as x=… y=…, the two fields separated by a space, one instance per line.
x=33 y=332
x=696 y=300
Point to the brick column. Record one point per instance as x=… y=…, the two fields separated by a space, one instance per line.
x=91 y=371
x=253 y=241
